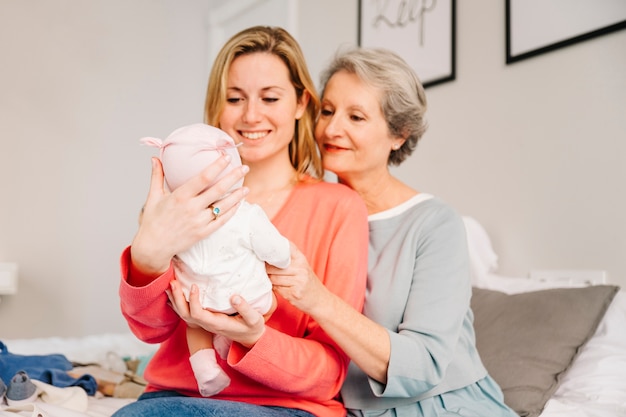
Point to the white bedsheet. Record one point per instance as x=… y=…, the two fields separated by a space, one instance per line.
x=97 y=407
x=87 y=349
x=595 y=385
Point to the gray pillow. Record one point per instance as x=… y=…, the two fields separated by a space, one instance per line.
x=526 y=341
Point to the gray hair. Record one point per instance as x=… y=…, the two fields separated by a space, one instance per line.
x=403 y=100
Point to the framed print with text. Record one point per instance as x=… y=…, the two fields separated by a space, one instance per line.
x=421 y=31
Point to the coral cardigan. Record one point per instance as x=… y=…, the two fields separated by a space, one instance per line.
x=294 y=364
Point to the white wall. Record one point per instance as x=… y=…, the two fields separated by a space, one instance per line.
x=535 y=151
x=81 y=82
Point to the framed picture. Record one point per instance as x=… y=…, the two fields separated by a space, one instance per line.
x=535 y=27
x=421 y=32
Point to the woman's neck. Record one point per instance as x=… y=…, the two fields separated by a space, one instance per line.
x=270 y=186
x=380 y=192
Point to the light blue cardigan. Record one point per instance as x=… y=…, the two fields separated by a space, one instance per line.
x=419 y=288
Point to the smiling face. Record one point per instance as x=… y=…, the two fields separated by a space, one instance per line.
x=351 y=131
x=261 y=107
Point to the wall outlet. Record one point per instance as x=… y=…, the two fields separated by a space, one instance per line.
x=578 y=277
x=8 y=278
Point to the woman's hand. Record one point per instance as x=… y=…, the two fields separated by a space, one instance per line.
x=246 y=328
x=298 y=284
x=172 y=222
x=367 y=343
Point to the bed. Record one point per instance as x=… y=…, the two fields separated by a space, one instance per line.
x=556 y=351
x=115 y=360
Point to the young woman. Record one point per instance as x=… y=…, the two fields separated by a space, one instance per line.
x=412 y=349
x=261 y=94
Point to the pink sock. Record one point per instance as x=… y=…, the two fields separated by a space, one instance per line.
x=221 y=345
x=209 y=375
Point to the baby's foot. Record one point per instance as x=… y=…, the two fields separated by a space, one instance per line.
x=221 y=345
x=210 y=376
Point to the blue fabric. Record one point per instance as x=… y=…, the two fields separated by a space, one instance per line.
x=51 y=369
x=173 y=404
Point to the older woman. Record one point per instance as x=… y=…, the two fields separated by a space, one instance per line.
x=413 y=348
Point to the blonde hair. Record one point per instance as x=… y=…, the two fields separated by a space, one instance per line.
x=303 y=151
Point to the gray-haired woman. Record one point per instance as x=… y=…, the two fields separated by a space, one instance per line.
x=413 y=348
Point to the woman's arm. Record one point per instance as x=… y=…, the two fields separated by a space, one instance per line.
x=427 y=321
x=145 y=307
x=427 y=290
x=364 y=341
x=170 y=222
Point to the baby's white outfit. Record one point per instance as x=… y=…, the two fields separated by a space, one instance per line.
x=231 y=260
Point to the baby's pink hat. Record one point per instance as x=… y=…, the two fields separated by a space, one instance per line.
x=190 y=149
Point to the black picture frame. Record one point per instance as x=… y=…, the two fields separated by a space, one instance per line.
x=535 y=27
x=422 y=32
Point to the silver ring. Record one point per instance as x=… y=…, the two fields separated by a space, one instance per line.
x=215 y=210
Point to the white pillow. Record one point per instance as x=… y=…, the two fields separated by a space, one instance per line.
x=483 y=259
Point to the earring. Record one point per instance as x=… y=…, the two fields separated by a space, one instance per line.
x=395 y=146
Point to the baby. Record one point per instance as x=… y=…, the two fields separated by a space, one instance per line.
x=232 y=259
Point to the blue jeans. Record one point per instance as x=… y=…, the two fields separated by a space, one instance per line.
x=173 y=404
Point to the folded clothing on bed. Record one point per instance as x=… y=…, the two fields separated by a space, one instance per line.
x=52 y=369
